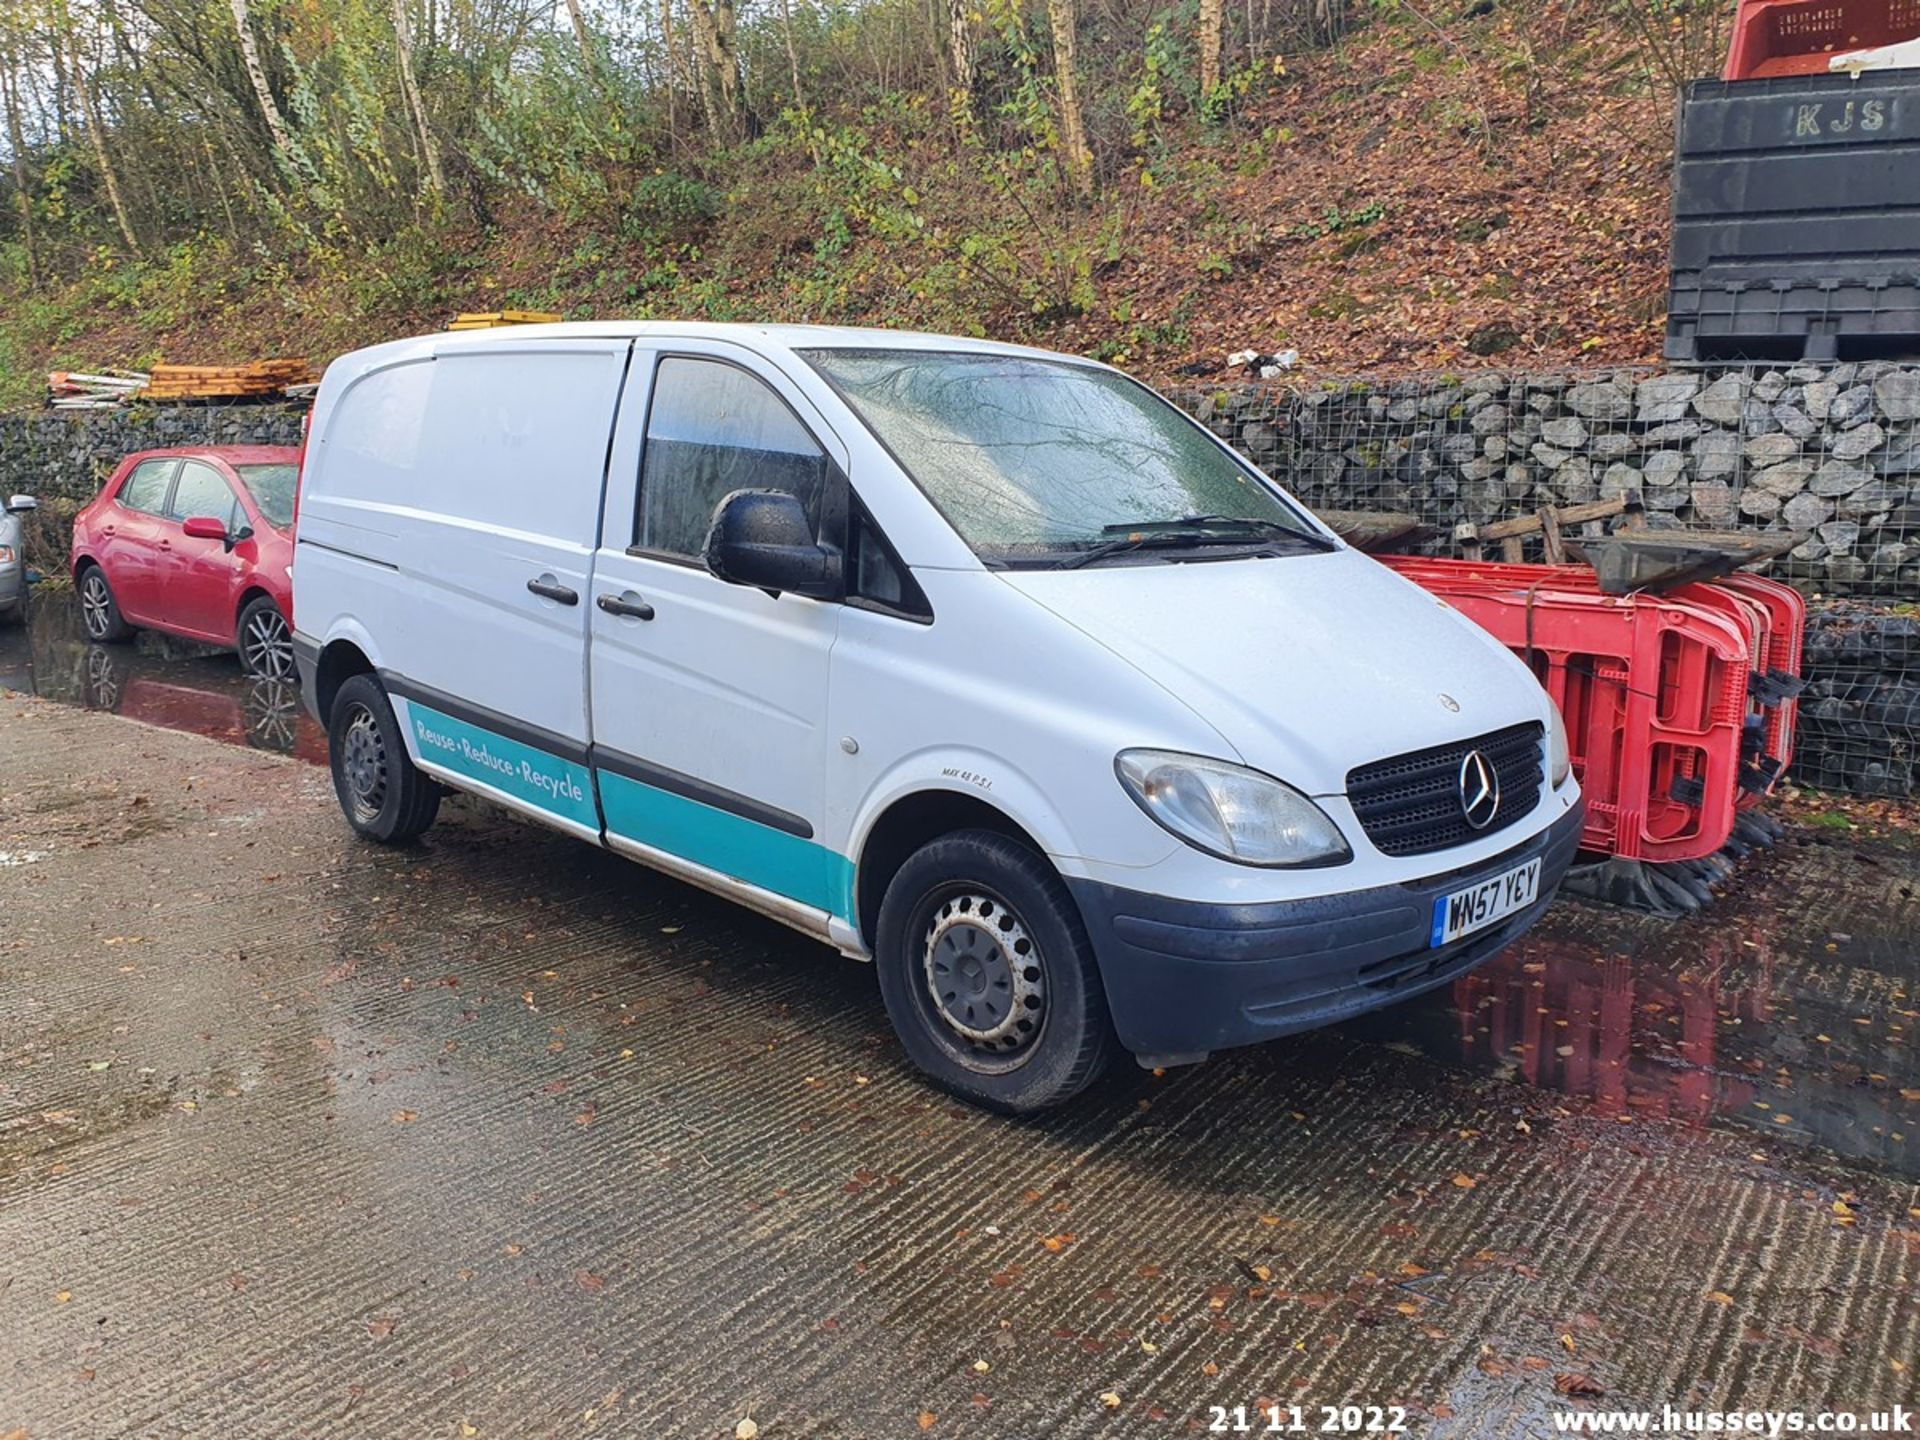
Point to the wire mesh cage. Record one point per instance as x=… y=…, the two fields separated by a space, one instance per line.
x=1825 y=458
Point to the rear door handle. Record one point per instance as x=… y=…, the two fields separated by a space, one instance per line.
x=626 y=603
x=553 y=590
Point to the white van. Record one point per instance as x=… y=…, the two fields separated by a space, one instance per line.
x=982 y=663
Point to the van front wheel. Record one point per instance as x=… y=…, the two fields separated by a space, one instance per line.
x=988 y=975
x=383 y=794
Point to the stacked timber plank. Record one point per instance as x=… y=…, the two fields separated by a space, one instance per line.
x=256 y=379
x=487 y=319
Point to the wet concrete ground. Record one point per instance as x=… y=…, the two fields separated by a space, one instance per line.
x=500 y=1136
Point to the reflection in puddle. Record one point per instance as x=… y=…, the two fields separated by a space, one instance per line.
x=155 y=679
x=1739 y=1017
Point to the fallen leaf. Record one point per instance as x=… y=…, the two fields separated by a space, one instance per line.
x=1720 y=1297
x=382 y=1327
x=1056 y=1243
x=927 y=1417
x=746 y=1429
x=1464 y=1181
x=1111 y=1399
x=587 y=1280
x=405 y=1117
x=1577 y=1384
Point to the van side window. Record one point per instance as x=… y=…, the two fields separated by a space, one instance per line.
x=877 y=577
x=146 y=489
x=200 y=490
x=713 y=429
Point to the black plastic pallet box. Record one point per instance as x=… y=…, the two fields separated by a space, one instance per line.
x=1796 y=219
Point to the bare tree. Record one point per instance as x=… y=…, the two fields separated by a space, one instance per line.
x=17 y=146
x=257 y=76
x=960 y=50
x=1212 y=23
x=90 y=117
x=1064 y=16
x=428 y=147
x=715 y=26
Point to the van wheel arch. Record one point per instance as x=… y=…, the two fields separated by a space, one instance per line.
x=340 y=661
x=911 y=822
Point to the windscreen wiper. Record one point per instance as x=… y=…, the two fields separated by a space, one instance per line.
x=1242 y=523
x=1150 y=538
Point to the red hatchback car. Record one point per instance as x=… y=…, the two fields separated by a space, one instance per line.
x=198 y=543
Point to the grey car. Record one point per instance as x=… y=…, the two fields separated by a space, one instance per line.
x=13 y=559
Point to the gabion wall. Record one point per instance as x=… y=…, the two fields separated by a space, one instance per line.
x=1829 y=453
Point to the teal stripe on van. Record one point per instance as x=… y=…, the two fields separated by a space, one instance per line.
x=732 y=844
x=544 y=781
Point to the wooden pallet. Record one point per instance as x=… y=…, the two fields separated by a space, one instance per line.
x=488 y=319
x=1470 y=539
x=257 y=379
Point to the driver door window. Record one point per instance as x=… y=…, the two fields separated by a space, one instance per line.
x=201 y=490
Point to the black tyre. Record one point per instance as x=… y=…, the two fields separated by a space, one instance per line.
x=383 y=794
x=99 y=611
x=988 y=975
x=265 y=641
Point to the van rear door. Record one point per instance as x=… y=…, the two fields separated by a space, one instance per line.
x=470 y=480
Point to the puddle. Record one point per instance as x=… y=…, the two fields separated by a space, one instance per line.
x=1790 y=1010
x=156 y=679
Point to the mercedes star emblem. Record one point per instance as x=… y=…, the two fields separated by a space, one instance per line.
x=1479 y=790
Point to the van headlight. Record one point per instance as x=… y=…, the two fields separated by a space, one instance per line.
x=1559 y=763
x=1230 y=811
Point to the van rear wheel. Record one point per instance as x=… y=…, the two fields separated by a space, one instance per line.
x=383 y=794
x=988 y=975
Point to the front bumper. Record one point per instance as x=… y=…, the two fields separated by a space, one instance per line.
x=1184 y=977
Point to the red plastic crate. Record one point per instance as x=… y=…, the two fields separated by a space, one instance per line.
x=1799 y=37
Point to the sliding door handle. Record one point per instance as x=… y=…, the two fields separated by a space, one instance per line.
x=552 y=589
x=626 y=603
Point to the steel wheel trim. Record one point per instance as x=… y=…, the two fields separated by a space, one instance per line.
x=985 y=977
x=96 y=604
x=267 y=647
x=363 y=765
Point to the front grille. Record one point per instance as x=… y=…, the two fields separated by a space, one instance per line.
x=1410 y=804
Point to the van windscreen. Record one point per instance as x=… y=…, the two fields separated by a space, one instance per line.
x=1042 y=461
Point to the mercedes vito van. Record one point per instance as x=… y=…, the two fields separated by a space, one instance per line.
x=985 y=664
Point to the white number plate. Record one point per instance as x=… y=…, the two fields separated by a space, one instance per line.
x=1478 y=906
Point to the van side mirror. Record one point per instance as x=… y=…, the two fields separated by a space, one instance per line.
x=20 y=504
x=763 y=538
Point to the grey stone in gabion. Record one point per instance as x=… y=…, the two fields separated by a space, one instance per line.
x=1484 y=499
x=1661 y=398
x=1902 y=457
x=1817 y=398
x=1789 y=478
x=1716 y=454
x=1846 y=570
x=1759 y=504
x=1840 y=535
x=1488 y=382
x=1601 y=400
x=1838 y=477
x=1568 y=432
x=1674 y=432
x=1489 y=420
x=1771 y=449
x=1891 y=556
x=1871 y=498
x=1325 y=468
x=1612 y=444
x=1664 y=467
x=1724 y=400
x=1404 y=411
x=1795 y=422
x=1769 y=387
x=1549 y=457
x=1479 y=468
x=1809 y=550
x=1260 y=440
x=1757 y=419
x=1460 y=448
x=1712 y=501
x=1620 y=479
x=1898 y=395
x=1440 y=402
x=1859 y=442
x=1674 y=497
x=1573 y=481
x=1495 y=447
x=1803 y=512
x=1850 y=405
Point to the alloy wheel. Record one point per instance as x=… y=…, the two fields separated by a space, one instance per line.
x=266 y=645
x=96 y=605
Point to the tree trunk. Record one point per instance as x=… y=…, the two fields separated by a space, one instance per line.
x=1073 y=130
x=584 y=38
x=961 y=52
x=793 y=55
x=257 y=75
x=714 y=27
x=428 y=147
x=1212 y=18
x=83 y=93
x=17 y=144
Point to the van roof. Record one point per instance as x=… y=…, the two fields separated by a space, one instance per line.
x=777 y=337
